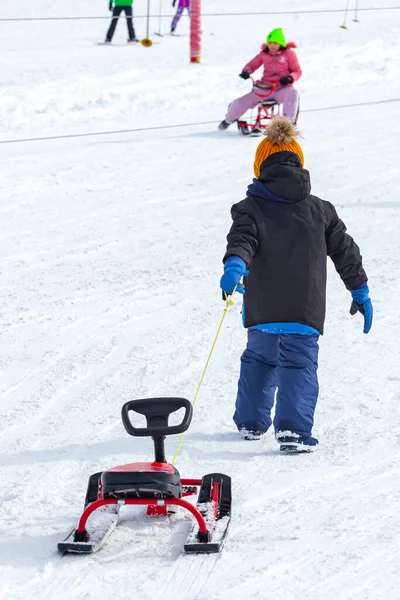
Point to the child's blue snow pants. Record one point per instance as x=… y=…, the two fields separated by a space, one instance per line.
x=288 y=362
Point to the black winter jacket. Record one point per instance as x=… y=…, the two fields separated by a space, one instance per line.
x=284 y=235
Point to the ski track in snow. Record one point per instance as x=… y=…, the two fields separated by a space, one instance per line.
x=109 y=290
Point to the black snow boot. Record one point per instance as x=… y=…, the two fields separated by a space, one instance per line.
x=251 y=434
x=293 y=443
x=223 y=125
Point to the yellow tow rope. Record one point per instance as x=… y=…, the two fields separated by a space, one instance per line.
x=229 y=303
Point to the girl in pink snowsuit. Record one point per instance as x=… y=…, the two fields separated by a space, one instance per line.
x=281 y=69
x=182 y=4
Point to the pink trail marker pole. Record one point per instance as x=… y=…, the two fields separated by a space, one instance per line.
x=195 y=31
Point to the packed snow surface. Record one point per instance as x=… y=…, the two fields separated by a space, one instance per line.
x=111 y=251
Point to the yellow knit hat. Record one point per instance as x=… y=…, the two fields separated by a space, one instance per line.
x=280 y=136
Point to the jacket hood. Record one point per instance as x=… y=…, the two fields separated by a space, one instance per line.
x=282 y=179
x=288 y=46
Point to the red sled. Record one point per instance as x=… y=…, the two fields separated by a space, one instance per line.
x=157 y=485
x=267 y=109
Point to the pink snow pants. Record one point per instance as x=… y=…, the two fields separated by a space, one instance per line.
x=287 y=96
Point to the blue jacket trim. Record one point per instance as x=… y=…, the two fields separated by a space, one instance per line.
x=277 y=328
x=290 y=328
x=260 y=189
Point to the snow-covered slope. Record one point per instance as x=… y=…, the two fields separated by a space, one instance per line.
x=111 y=254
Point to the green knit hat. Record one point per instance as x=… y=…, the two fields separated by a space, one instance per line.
x=277 y=37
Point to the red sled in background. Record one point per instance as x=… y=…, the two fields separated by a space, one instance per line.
x=267 y=109
x=157 y=485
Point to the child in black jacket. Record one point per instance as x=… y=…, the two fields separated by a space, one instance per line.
x=279 y=241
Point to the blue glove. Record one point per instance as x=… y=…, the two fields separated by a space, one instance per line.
x=362 y=303
x=234 y=270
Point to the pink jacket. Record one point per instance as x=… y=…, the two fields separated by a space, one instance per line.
x=275 y=65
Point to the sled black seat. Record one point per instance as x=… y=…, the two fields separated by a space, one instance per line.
x=149 y=480
x=145 y=480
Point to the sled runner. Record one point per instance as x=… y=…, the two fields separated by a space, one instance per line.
x=157 y=485
x=266 y=110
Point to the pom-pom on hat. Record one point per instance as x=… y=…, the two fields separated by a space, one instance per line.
x=280 y=136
